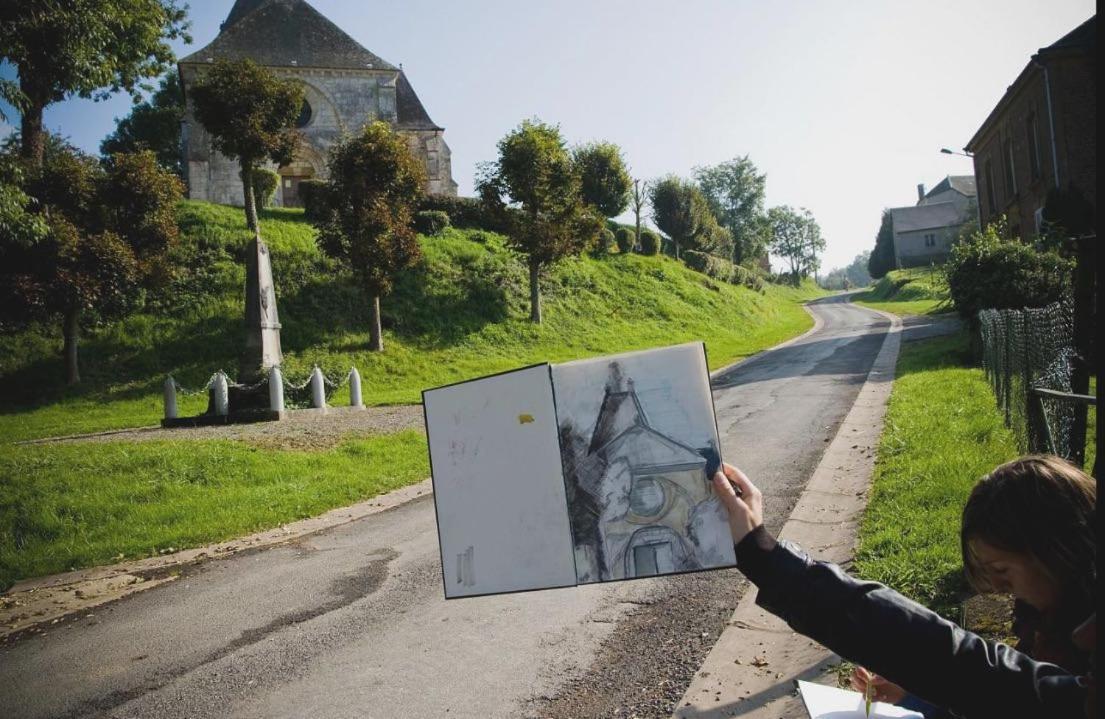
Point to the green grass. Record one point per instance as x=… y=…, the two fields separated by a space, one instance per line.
x=460 y=314
x=918 y=291
x=943 y=432
x=65 y=506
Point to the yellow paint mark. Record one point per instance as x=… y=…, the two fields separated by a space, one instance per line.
x=525 y=419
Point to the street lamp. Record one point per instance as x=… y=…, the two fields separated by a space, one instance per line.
x=946 y=151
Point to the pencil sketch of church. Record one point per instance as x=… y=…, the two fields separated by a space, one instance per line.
x=640 y=501
x=346 y=87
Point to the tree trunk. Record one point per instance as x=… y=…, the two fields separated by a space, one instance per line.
x=375 y=328
x=534 y=293
x=71 y=329
x=676 y=243
x=251 y=203
x=33 y=135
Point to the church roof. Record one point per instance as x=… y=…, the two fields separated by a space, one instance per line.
x=287 y=33
x=410 y=114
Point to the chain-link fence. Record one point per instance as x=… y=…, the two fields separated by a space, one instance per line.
x=1033 y=349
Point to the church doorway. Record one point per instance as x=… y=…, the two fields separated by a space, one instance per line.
x=290 y=189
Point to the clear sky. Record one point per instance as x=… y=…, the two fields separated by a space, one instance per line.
x=845 y=105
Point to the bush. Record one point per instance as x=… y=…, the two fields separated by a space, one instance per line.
x=603 y=243
x=265 y=183
x=624 y=239
x=431 y=222
x=722 y=269
x=650 y=243
x=986 y=271
x=465 y=212
x=313 y=194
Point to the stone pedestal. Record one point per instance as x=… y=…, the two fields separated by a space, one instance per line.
x=262 y=349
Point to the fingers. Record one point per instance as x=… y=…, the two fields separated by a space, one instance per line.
x=739 y=479
x=727 y=494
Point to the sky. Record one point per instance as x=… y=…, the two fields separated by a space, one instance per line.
x=844 y=105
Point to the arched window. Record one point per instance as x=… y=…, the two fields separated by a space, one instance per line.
x=305 y=114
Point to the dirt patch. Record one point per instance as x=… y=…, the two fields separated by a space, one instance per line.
x=302 y=429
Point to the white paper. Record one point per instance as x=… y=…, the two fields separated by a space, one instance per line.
x=501 y=512
x=825 y=702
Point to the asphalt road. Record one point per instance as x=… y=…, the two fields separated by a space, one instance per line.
x=352 y=623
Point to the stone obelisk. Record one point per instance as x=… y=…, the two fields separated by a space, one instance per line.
x=262 y=349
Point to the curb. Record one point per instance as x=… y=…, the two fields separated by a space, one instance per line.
x=45 y=600
x=751 y=670
x=818 y=323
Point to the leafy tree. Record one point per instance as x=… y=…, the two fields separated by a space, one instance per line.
x=882 y=258
x=854 y=275
x=535 y=188
x=107 y=233
x=681 y=211
x=374 y=189
x=604 y=180
x=153 y=124
x=735 y=193
x=87 y=48
x=796 y=237
x=250 y=114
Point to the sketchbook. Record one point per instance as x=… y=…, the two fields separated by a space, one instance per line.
x=825 y=702
x=597 y=470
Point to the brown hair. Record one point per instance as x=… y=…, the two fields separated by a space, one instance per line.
x=1041 y=506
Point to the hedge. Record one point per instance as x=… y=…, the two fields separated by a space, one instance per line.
x=722 y=269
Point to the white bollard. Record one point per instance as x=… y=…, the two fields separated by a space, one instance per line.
x=170 y=398
x=318 y=391
x=276 y=390
x=222 y=397
x=355 y=388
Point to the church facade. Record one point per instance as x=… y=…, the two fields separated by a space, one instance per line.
x=345 y=87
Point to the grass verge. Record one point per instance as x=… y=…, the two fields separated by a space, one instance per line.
x=917 y=291
x=67 y=506
x=942 y=433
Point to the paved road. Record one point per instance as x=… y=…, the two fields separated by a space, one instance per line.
x=351 y=623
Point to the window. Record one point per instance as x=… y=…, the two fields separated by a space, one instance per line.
x=930 y=240
x=305 y=114
x=1032 y=135
x=646 y=498
x=1010 y=169
x=991 y=201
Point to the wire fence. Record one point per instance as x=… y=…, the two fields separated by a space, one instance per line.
x=1028 y=350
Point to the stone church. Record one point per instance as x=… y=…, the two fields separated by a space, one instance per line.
x=346 y=86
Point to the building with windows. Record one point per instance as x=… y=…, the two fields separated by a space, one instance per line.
x=1041 y=135
x=345 y=85
x=924 y=233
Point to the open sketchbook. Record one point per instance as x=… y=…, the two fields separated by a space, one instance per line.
x=825 y=702
x=589 y=471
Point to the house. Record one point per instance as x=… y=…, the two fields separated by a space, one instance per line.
x=1041 y=135
x=924 y=233
x=346 y=87
x=645 y=494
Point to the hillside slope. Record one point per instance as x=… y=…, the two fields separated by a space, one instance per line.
x=919 y=291
x=461 y=313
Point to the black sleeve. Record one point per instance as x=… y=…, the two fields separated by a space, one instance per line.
x=903 y=641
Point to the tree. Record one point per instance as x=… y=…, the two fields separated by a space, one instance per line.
x=796 y=237
x=153 y=124
x=604 y=180
x=87 y=48
x=882 y=258
x=680 y=210
x=374 y=189
x=535 y=188
x=639 y=198
x=107 y=232
x=250 y=114
x=735 y=193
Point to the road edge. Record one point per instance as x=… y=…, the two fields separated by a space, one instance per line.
x=752 y=668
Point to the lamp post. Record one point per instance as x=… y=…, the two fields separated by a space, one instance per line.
x=946 y=151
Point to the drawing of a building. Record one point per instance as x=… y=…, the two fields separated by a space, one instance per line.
x=641 y=493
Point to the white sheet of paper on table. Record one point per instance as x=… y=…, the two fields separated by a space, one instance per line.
x=825 y=702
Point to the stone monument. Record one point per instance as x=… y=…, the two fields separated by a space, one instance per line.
x=262 y=350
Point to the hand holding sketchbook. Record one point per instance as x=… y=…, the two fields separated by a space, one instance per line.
x=589 y=471
x=825 y=702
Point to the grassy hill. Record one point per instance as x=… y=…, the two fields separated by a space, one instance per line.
x=918 y=291
x=460 y=314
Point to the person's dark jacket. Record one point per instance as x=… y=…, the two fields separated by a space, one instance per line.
x=903 y=641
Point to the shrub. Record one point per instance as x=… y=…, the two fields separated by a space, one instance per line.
x=722 y=269
x=986 y=271
x=624 y=239
x=264 y=186
x=650 y=243
x=603 y=243
x=465 y=212
x=431 y=222
x=313 y=195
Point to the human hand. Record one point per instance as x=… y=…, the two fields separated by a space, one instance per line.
x=746 y=510
x=882 y=690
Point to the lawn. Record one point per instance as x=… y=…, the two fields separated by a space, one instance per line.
x=943 y=432
x=917 y=291
x=461 y=313
x=66 y=506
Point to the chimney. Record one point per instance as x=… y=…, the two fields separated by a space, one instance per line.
x=920 y=193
